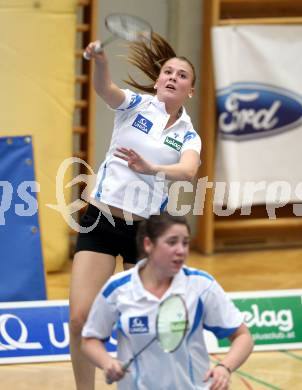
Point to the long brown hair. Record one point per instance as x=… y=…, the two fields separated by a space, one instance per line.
x=149 y=58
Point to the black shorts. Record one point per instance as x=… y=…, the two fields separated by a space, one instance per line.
x=106 y=238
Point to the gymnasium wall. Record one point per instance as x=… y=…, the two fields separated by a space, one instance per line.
x=37 y=40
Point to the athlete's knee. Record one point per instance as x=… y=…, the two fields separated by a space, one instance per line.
x=76 y=322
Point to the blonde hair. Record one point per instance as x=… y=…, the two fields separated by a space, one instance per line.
x=150 y=58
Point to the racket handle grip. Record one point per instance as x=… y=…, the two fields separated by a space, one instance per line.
x=109 y=381
x=125 y=367
x=98 y=48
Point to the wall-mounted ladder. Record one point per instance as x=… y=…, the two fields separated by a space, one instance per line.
x=84 y=109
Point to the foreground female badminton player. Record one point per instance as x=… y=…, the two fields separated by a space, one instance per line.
x=131 y=300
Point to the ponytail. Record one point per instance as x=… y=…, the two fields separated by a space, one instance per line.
x=149 y=58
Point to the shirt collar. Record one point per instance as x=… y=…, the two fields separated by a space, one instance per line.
x=161 y=105
x=178 y=285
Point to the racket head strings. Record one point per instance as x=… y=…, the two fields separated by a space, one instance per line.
x=171 y=323
x=128 y=27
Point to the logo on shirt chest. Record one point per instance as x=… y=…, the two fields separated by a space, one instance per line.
x=138 y=325
x=142 y=123
x=173 y=143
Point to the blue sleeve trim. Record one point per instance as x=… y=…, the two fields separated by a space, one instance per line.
x=134 y=101
x=115 y=284
x=219 y=332
x=189 y=272
x=105 y=340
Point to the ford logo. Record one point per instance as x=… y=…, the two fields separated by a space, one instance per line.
x=252 y=110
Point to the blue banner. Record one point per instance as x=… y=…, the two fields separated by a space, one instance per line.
x=34 y=331
x=22 y=271
x=37 y=331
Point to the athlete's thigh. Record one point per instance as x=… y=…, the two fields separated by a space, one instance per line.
x=90 y=270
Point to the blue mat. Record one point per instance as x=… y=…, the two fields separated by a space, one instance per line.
x=22 y=273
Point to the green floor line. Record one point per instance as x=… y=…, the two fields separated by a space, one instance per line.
x=257 y=380
x=252 y=378
x=293 y=355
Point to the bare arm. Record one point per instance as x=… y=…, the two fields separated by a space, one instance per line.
x=103 y=84
x=241 y=348
x=96 y=352
x=185 y=169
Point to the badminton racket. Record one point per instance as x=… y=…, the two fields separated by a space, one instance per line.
x=124 y=26
x=171 y=327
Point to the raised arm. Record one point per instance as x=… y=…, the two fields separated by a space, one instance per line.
x=104 y=86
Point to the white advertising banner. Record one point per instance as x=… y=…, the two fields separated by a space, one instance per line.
x=259 y=111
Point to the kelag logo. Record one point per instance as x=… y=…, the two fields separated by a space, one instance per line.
x=272 y=320
x=252 y=110
x=173 y=143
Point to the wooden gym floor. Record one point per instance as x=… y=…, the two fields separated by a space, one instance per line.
x=236 y=271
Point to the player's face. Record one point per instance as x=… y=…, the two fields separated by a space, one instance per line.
x=169 y=252
x=174 y=83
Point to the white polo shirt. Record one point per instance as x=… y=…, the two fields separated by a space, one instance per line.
x=140 y=124
x=123 y=300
